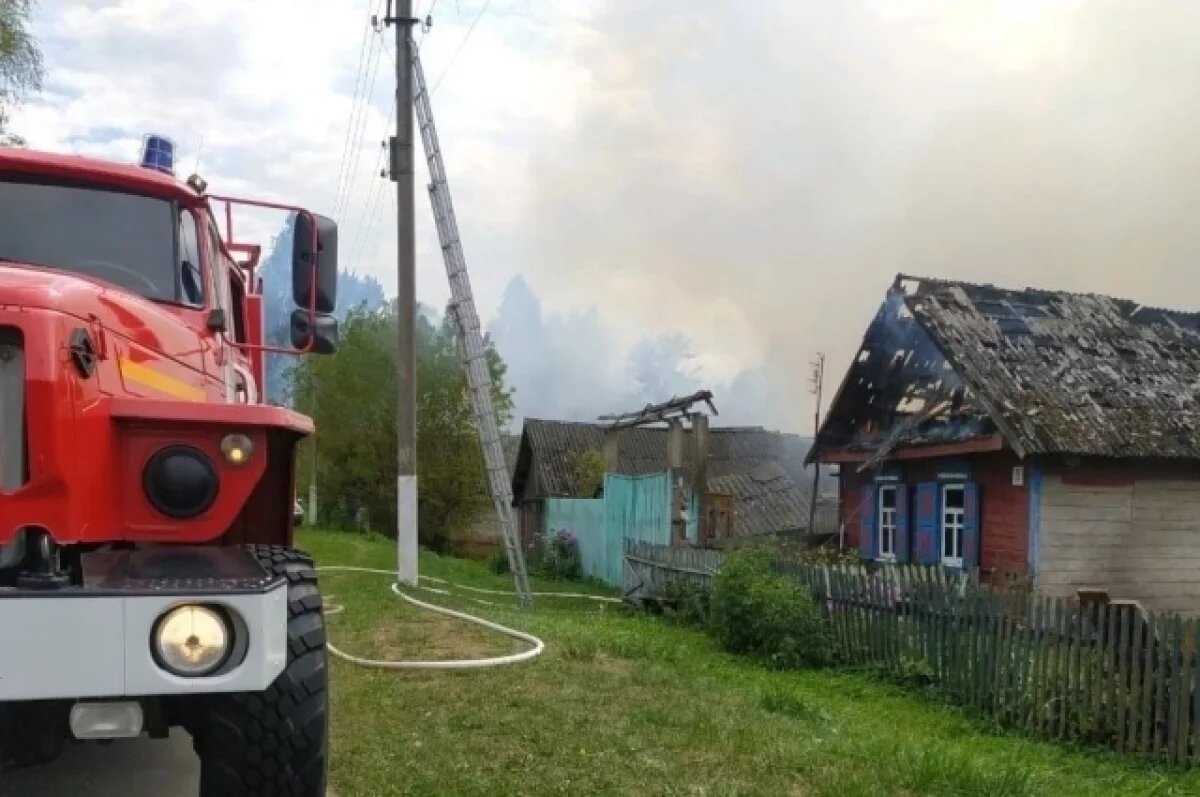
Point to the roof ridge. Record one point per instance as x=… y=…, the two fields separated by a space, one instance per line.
x=1029 y=289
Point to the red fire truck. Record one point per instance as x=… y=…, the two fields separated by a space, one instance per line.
x=147 y=574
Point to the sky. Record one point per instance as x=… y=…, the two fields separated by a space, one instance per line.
x=660 y=194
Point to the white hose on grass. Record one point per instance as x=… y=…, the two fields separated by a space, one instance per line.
x=585 y=596
x=448 y=664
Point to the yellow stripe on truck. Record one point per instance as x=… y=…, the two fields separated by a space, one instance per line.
x=157 y=380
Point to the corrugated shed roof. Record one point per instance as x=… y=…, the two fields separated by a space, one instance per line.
x=773 y=502
x=1070 y=373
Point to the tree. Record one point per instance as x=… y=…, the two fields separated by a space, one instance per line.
x=353 y=291
x=587 y=466
x=352 y=397
x=20 y=61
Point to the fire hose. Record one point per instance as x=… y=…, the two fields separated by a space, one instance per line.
x=447 y=664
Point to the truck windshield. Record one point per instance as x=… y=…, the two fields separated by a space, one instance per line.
x=125 y=239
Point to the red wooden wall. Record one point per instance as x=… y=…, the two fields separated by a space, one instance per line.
x=1003 y=508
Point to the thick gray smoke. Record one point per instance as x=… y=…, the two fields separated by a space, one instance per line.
x=568 y=367
x=754 y=174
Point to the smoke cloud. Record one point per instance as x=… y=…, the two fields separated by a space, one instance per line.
x=750 y=176
x=569 y=367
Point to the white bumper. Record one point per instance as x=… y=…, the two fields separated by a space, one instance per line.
x=86 y=645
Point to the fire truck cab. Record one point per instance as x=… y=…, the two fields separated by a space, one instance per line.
x=147 y=574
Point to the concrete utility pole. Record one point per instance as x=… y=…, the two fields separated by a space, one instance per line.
x=406 y=297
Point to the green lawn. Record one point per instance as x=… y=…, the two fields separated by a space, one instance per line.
x=628 y=704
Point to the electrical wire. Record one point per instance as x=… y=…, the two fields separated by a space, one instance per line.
x=370 y=212
x=360 y=128
x=458 y=50
x=358 y=80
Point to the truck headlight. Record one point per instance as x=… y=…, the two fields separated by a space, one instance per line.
x=191 y=641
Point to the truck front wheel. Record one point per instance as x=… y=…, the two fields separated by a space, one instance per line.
x=274 y=743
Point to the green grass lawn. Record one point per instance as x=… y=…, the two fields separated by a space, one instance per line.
x=627 y=704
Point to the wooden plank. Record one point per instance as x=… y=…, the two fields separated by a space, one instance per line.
x=1137 y=655
x=939 y=628
x=873 y=603
x=1172 y=707
x=1062 y=660
x=844 y=615
x=1047 y=667
x=1146 y=734
x=835 y=613
x=1018 y=682
x=1003 y=657
x=1186 y=666
x=1032 y=680
x=852 y=629
x=948 y=653
x=1089 y=653
x=1089 y=682
x=1123 y=681
x=1194 y=725
x=1179 y=701
x=971 y=629
x=1160 y=686
x=888 y=620
x=1109 y=693
x=854 y=615
x=1074 y=694
x=872 y=593
x=958 y=657
x=1044 y=612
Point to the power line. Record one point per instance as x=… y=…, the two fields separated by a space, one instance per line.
x=460 y=47
x=370 y=213
x=361 y=127
x=358 y=79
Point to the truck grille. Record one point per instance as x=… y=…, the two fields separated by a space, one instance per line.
x=14 y=468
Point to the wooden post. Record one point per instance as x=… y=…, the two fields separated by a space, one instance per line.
x=674 y=472
x=700 y=476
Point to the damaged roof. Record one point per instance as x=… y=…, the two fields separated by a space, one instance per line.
x=754 y=464
x=1068 y=373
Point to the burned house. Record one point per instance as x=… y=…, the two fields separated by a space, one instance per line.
x=1039 y=433
x=755 y=477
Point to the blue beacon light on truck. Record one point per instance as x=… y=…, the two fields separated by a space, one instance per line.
x=158 y=153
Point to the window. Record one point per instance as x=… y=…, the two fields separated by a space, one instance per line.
x=953 y=517
x=237 y=305
x=887 y=523
x=127 y=240
x=190 y=274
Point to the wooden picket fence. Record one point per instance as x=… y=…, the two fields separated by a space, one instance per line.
x=1101 y=674
x=649 y=567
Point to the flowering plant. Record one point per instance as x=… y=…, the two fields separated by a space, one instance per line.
x=561 y=558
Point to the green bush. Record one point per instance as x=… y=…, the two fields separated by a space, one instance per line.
x=498 y=563
x=689 y=601
x=756 y=611
x=560 y=556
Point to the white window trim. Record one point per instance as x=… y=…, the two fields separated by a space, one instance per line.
x=886 y=556
x=961 y=512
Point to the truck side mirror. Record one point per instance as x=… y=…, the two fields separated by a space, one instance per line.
x=323 y=332
x=325 y=285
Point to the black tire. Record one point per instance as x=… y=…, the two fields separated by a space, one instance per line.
x=275 y=743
